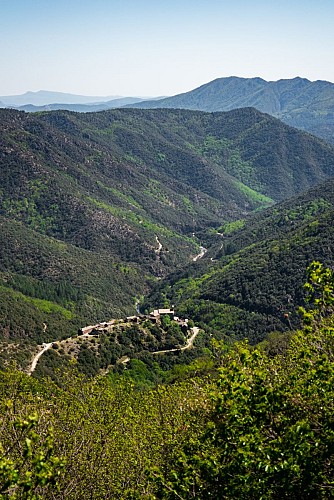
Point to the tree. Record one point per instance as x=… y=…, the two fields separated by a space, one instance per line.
x=270 y=429
x=320 y=294
x=35 y=468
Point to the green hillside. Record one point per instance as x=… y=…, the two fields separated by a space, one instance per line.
x=49 y=288
x=244 y=423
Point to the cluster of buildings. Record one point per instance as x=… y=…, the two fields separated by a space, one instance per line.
x=154 y=316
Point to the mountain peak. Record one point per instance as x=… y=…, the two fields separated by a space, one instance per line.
x=296 y=101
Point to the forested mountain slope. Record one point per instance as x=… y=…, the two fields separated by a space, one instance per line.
x=250 y=281
x=298 y=101
x=95 y=207
x=49 y=288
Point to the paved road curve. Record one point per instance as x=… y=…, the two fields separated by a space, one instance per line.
x=201 y=254
x=189 y=343
x=36 y=358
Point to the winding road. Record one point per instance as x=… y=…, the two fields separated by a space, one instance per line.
x=195 y=331
x=36 y=358
x=200 y=255
x=189 y=343
x=158 y=250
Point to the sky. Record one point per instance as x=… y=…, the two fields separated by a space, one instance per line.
x=160 y=47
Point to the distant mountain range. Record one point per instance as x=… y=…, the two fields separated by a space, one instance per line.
x=298 y=101
x=44 y=97
x=81 y=108
x=94 y=207
x=44 y=100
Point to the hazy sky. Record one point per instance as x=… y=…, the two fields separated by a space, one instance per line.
x=160 y=47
